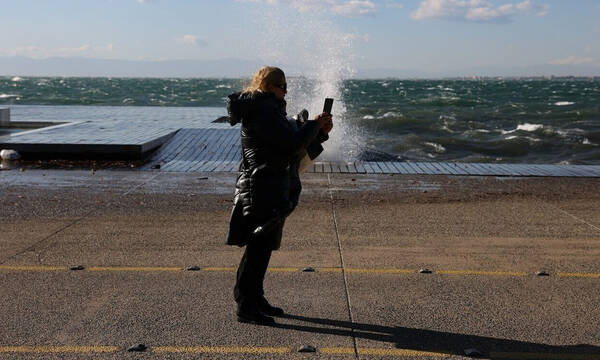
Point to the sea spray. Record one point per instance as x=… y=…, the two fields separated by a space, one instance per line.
x=317 y=57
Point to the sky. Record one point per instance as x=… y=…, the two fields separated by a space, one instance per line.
x=443 y=37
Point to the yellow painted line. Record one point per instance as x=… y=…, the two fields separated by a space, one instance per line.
x=478 y=272
x=222 y=349
x=286 y=350
x=283 y=269
x=329 y=269
x=291 y=269
x=384 y=352
x=380 y=271
x=132 y=268
x=219 y=269
x=588 y=275
x=57 y=349
x=337 y=350
x=32 y=268
x=544 y=356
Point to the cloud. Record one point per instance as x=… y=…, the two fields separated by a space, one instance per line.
x=476 y=10
x=353 y=7
x=537 y=9
x=39 y=52
x=574 y=60
x=393 y=5
x=191 y=40
x=337 y=7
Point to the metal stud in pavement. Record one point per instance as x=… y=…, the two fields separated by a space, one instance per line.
x=424 y=271
x=308 y=269
x=542 y=273
x=307 y=348
x=138 y=348
x=77 y=267
x=472 y=352
x=193 y=268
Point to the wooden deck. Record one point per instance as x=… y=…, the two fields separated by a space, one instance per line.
x=218 y=149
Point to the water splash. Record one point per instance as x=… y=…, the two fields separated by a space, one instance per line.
x=316 y=57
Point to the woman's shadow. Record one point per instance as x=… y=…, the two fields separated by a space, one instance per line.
x=436 y=341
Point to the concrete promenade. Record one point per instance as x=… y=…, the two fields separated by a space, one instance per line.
x=134 y=234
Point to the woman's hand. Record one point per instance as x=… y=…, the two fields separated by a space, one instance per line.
x=325 y=122
x=327 y=127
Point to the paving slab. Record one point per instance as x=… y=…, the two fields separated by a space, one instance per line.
x=583 y=210
x=465 y=223
x=179 y=309
x=117 y=181
x=500 y=235
x=493 y=314
x=37 y=205
x=180 y=230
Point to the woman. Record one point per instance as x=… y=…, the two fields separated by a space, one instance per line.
x=268 y=185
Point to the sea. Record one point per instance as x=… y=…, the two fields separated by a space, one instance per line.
x=494 y=120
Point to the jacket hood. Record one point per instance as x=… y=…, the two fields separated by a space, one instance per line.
x=241 y=105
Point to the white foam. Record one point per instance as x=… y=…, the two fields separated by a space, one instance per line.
x=368 y=117
x=564 y=103
x=390 y=114
x=529 y=138
x=223 y=86
x=17 y=78
x=436 y=147
x=529 y=127
x=8 y=96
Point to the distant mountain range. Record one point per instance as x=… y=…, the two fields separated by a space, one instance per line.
x=235 y=68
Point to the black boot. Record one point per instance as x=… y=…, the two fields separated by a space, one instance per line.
x=252 y=315
x=268 y=309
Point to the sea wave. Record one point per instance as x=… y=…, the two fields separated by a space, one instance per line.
x=469 y=119
x=530 y=127
x=564 y=103
x=436 y=147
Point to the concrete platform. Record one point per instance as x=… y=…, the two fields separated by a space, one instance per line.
x=87 y=139
x=129 y=133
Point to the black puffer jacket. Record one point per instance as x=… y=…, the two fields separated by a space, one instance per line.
x=268 y=184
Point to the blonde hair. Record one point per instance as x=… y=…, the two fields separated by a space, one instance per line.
x=263 y=77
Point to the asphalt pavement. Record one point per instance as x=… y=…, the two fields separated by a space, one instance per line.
x=371 y=266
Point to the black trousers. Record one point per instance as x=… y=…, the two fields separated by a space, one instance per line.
x=248 y=290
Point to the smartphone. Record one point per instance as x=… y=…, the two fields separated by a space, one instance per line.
x=328 y=105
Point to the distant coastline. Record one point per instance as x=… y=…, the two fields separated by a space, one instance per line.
x=232 y=68
x=448 y=78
